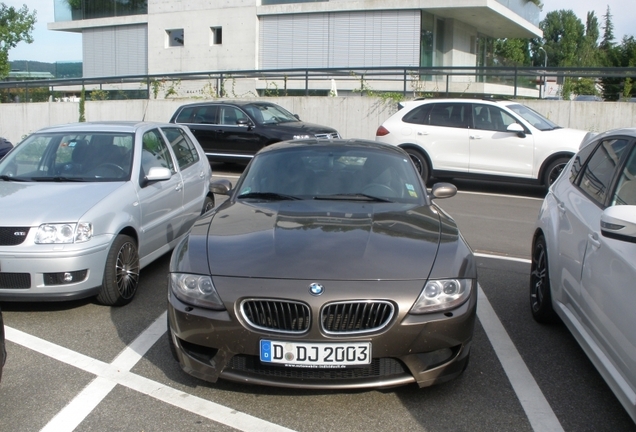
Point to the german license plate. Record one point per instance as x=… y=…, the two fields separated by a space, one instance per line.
x=318 y=355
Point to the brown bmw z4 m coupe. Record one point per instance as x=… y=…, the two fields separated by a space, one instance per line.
x=328 y=267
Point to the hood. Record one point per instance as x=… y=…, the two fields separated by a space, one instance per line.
x=300 y=127
x=566 y=137
x=323 y=239
x=31 y=204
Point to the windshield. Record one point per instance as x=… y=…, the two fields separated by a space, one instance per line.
x=533 y=117
x=59 y=157
x=269 y=114
x=331 y=173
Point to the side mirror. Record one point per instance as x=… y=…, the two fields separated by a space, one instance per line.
x=518 y=129
x=221 y=187
x=244 y=122
x=156 y=174
x=619 y=222
x=443 y=190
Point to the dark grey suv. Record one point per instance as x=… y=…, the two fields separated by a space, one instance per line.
x=233 y=131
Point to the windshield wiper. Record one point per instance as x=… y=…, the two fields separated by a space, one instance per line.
x=352 y=197
x=11 y=178
x=59 y=179
x=268 y=196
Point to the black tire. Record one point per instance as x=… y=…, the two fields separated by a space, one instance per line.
x=540 y=292
x=420 y=162
x=208 y=204
x=121 y=274
x=553 y=170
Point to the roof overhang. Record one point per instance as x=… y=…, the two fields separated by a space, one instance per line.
x=489 y=17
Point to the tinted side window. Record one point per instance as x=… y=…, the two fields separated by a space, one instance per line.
x=491 y=118
x=450 y=115
x=626 y=189
x=206 y=115
x=599 y=171
x=229 y=115
x=419 y=115
x=183 y=148
x=185 y=115
x=579 y=160
x=154 y=153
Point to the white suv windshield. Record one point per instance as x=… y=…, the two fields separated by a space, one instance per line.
x=533 y=117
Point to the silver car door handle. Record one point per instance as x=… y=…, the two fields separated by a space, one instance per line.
x=179 y=187
x=561 y=207
x=594 y=240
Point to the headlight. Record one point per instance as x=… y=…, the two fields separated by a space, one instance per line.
x=302 y=137
x=442 y=294
x=64 y=233
x=196 y=290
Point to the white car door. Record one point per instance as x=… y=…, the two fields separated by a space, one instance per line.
x=580 y=209
x=444 y=135
x=608 y=283
x=496 y=151
x=161 y=202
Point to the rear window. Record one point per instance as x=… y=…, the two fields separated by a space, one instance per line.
x=419 y=115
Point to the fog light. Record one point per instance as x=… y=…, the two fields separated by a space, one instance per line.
x=63 y=278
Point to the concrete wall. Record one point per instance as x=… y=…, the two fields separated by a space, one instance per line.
x=352 y=116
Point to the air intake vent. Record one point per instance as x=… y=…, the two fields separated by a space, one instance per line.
x=356 y=317
x=276 y=315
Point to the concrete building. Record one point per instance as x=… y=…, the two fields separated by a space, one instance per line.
x=130 y=37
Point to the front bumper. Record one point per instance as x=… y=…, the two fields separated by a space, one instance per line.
x=423 y=349
x=37 y=273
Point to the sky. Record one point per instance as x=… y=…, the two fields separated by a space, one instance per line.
x=53 y=46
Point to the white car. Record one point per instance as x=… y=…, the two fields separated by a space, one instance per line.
x=584 y=257
x=86 y=206
x=474 y=138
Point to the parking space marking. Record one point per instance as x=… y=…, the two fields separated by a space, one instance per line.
x=118 y=372
x=537 y=409
x=534 y=403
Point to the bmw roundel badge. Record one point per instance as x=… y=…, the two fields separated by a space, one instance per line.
x=316 y=289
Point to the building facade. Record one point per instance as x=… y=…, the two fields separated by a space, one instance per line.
x=137 y=37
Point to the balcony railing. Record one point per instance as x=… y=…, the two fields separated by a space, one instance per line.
x=71 y=10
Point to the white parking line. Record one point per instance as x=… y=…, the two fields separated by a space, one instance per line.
x=109 y=375
x=537 y=409
x=534 y=403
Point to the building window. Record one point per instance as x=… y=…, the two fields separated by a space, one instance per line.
x=216 y=35
x=174 y=38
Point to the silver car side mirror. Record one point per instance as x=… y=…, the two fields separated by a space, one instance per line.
x=443 y=190
x=619 y=222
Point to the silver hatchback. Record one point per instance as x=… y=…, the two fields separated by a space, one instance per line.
x=86 y=206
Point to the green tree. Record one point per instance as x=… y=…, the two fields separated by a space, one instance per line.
x=608 y=31
x=610 y=56
x=513 y=52
x=563 y=35
x=16 y=26
x=589 y=52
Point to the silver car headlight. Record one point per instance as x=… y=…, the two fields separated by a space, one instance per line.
x=297 y=137
x=64 y=233
x=442 y=294
x=196 y=290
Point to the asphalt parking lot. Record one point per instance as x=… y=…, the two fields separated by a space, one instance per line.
x=85 y=367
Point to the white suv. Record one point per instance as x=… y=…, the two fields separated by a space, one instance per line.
x=488 y=139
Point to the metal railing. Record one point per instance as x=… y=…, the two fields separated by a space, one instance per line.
x=440 y=81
